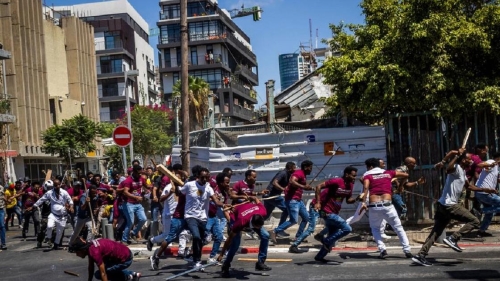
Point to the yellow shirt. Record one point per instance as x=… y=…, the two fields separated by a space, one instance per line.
x=13 y=201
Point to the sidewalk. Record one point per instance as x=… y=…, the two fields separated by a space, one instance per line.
x=359 y=239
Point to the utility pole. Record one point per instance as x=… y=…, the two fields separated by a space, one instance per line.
x=270 y=106
x=184 y=88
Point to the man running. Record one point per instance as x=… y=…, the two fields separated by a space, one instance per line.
x=132 y=190
x=448 y=207
x=488 y=179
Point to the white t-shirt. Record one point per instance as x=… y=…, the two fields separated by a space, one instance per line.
x=453 y=187
x=197 y=200
x=169 y=204
x=488 y=178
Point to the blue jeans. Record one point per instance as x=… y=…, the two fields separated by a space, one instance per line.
x=10 y=214
x=337 y=228
x=155 y=211
x=278 y=202
x=129 y=212
x=493 y=201
x=116 y=271
x=235 y=245
x=176 y=227
x=197 y=229
x=399 y=204
x=214 y=227
x=295 y=208
x=2 y=226
x=313 y=219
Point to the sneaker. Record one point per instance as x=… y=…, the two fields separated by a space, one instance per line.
x=326 y=246
x=198 y=265
x=213 y=260
x=282 y=234
x=294 y=249
x=133 y=236
x=38 y=244
x=383 y=255
x=318 y=237
x=421 y=260
x=155 y=262
x=408 y=255
x=321 y=260
x=50 y=244
x=225 y=272
x=452 y=243
x=46 y=240
x=385 y=236
x=272 y=237
x=261 y=267
x=56 y=247
x=136 y=276
x=3 y=247
x=149 y=245
x=481 y=234
x=224 y=238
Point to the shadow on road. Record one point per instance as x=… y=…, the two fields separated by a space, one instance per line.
x=479 y=274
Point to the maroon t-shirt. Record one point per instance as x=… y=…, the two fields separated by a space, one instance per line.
x=242 y=188
x=243 y=214
x=109 y=252
x=335 y=195
x=293 y=193
x=213 y=182
x=135 y=188
x=381 y=183
x=181 y=206
x=30 y=199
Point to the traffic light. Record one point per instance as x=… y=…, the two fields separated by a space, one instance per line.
x=256 y=13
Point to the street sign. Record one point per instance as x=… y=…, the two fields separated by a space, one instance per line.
x=122 y=136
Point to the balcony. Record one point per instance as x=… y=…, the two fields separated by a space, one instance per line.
x=248 y=73
x=151 y=89
x=111 y=116
x=203 y=39
x=243 y=91
x=111 y=94
x=197 y=63
x=240 y=112
x=111 y=48
x=151 y=68
x=109 y=71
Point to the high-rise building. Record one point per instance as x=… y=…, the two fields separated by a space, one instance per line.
x=49 y=77
x=121 y=40
x=294 y=67
x=219 y=52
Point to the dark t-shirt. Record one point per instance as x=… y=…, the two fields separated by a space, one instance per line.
x=283 y=178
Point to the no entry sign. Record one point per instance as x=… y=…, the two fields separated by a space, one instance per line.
x=122 y=136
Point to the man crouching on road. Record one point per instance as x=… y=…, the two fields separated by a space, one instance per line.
x=111 y=257
x=249 y=215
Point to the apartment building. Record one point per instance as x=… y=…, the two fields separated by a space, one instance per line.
x=121 y=38
x=219 y=52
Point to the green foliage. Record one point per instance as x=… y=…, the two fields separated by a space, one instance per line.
x=198 y=100
x=151 y=130
x=107 y=130
x=115 y=154
x=75 y=137
x=441 y=55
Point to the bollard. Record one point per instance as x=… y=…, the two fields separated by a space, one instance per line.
x=109 y=231
x=104 y=222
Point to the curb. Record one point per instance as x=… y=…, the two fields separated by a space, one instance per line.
x=172 y=251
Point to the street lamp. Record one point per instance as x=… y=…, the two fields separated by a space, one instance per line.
x=129 y=73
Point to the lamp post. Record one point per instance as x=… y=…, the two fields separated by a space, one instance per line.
x=129 y=73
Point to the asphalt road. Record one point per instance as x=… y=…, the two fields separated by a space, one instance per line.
x=22 y=262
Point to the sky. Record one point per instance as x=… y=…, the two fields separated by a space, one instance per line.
x=283 y=27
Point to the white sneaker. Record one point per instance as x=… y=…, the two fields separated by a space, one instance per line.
x=213 y=260
x=224 y=238
x=385 y=236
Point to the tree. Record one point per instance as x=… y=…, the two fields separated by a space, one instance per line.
x=151 y=130
x=440 y=55
x=198 y=100
x=74 y=138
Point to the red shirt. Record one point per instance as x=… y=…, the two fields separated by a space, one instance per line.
x=242 y=188
x=71 y=192
x=243 y=215
x=181 y=206
x=470 y=172
x=29 y=200
x=336 y=192
x=381 y=183
x=134 y=188
x=293 y=193
x=213 y=183
x=109 y=252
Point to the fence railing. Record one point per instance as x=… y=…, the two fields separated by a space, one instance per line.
x=103 y=45
x=196 y=60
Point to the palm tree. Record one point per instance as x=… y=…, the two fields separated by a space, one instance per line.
x=199 y=90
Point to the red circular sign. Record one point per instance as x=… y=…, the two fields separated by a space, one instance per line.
x=122 y=136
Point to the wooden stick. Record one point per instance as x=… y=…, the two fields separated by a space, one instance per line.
x=321 y=170
x=269 y=260
x=94 y=230
x=239 y=204
x=169 y=174
x=466 y=138
x=269 y=198
x=72 y=273
x=48 y=175
x=153 y=161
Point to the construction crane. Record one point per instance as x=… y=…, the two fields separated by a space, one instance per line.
x=256 y=11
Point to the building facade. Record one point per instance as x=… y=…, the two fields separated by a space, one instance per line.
x=121 y=38
x=293 y=67
x=50 y=77
x=219 y=52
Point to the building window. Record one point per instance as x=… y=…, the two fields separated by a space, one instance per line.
x=212 y=76
x=168 y=62
x=205 y=30
x=170 y=33
x=175 y=77
x=194 y=56
x=171 y=12
x=110 y=88
x=111 y=64
x=112 y=40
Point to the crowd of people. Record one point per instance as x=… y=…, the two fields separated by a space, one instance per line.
x=199 y=207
